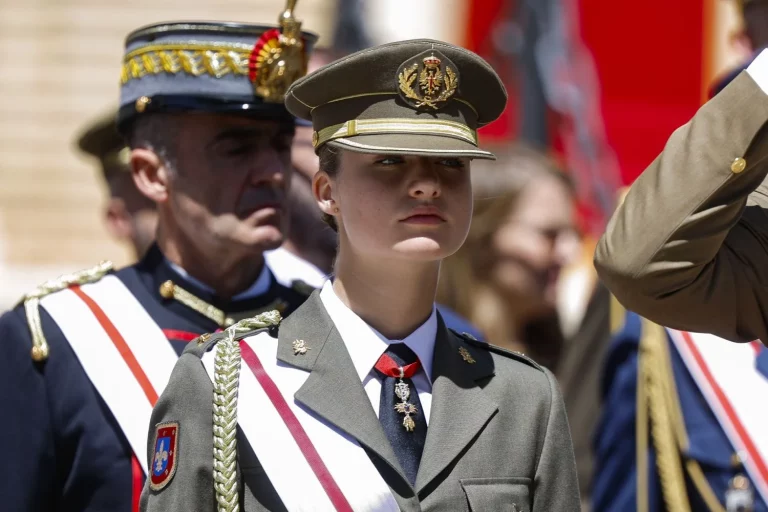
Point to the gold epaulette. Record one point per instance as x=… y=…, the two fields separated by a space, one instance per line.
x=40 y=348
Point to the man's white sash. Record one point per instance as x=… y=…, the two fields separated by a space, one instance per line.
x=313 y=465
x=122 y=350
x=727 y=376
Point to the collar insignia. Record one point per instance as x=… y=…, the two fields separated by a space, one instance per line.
x=466 y=356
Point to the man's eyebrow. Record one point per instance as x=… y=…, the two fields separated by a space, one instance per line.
x=243 y=132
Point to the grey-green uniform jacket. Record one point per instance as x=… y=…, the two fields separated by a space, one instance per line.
x=498 y=437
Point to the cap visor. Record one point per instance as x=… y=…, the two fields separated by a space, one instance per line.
x=408 y=144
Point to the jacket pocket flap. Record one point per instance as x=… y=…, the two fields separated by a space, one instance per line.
x=497 y=494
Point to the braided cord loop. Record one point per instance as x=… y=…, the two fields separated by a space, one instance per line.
x=226 y=381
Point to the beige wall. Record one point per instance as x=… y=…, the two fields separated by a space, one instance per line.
x=60 y=67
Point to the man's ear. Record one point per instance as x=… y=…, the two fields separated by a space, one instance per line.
x=323 y=190
x=117 y=219
x=150 y=174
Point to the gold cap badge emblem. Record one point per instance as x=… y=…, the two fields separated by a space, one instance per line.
x=428 y=80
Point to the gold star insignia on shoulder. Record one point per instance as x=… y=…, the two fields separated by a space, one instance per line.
x=300 y=347
x=466 y=356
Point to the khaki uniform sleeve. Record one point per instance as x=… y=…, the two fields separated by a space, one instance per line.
x=188 y=400
x=688 y=248
x=556 y=485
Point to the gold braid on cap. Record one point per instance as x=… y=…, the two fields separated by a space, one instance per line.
x=40 y=348
x=226 y=381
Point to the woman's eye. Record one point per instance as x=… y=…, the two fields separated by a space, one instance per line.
x=452 y=162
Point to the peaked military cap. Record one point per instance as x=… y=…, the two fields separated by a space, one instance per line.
x=101 y=140
x=234 y=68
x=417 y=97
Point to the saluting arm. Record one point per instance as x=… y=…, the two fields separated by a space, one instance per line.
x=188 y=402
x=688 y=248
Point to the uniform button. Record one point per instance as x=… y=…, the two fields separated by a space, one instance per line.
x=738 y=165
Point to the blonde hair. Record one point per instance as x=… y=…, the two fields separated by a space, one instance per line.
x=464 y=276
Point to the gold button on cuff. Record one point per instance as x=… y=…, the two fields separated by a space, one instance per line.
x=738 y=165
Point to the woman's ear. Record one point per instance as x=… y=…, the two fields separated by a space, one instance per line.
x=150 y=174
x=322 y=189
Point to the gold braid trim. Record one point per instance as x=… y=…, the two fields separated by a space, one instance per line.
x=226 y=380
x=641 y=436
x=669 y=428
x=40 y=348
x=655 y=366
x=216 y=59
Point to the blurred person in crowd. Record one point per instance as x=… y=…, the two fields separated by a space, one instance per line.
x=130 y=216
x=362 y=399
x=753 y=38
x=504 y=278
x=87 y=355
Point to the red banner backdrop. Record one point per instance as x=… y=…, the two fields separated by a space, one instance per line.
x=649 y=58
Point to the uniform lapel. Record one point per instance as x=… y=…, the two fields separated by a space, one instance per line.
x=333 y=389
x=460 y=408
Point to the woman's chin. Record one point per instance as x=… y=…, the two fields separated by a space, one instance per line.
x=423 y=249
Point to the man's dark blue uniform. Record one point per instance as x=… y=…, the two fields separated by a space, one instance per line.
x=615 y=484
x=62 y=447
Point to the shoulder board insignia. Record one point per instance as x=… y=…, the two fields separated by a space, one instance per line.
x=40 y=349
x=498 y=350
x=301 y=287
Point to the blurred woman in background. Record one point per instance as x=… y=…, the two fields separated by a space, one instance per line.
x=504 y=279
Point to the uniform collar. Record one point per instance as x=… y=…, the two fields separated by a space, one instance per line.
x=365 y=344
x=154 y=270
x=259 y=287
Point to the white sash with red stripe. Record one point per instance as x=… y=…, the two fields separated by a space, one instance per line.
x=122 y=350
x=312 y=465
x=727 y=376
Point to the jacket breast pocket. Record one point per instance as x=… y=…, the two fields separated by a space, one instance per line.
x=510 y=494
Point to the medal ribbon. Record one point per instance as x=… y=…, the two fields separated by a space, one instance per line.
x=390 y=368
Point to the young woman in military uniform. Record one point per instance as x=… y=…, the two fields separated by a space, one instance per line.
x=363 y=399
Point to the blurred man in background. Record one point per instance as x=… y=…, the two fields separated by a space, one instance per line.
x=130 y=217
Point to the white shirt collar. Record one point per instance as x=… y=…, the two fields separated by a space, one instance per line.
x=259 y=287
x=365 y=344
